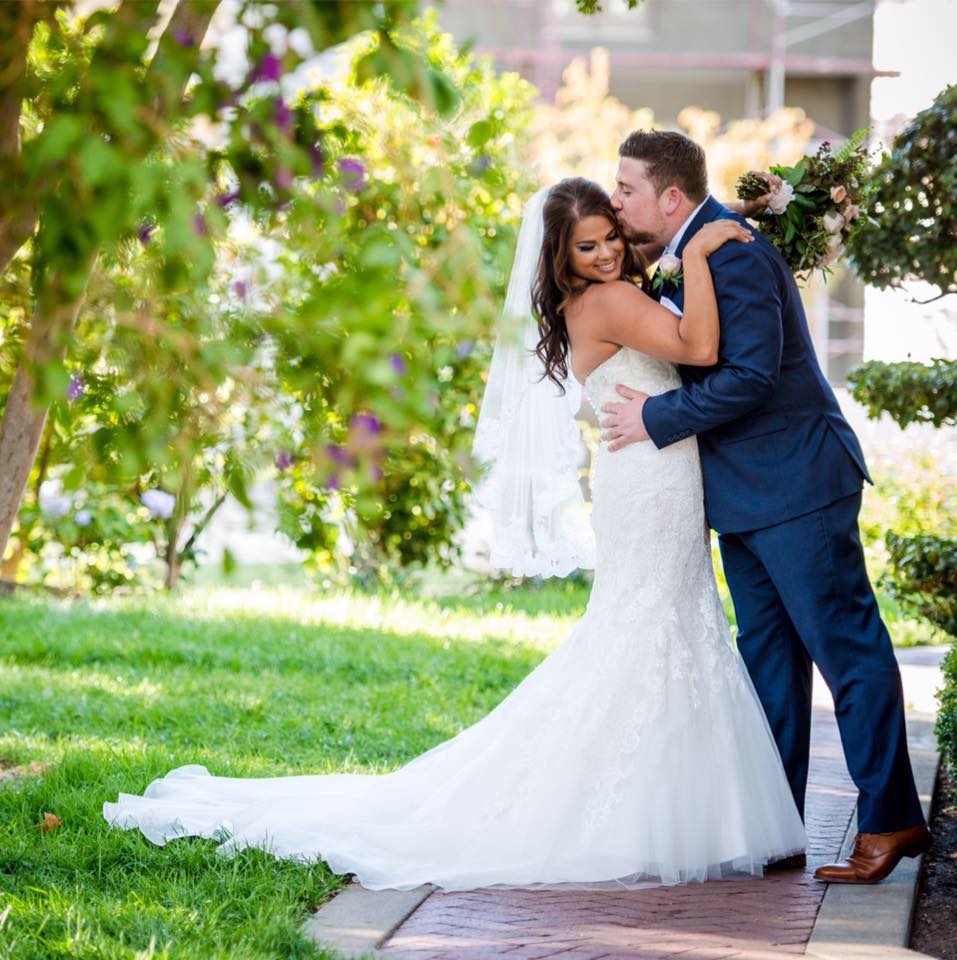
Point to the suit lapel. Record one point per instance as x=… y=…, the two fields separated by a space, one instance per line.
x=712 y=210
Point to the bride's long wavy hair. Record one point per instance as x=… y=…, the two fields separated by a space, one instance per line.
x=568 y=202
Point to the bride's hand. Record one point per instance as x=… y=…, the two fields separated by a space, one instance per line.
x=717 y=234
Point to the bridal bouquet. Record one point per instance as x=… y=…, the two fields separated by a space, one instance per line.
x=812 y=210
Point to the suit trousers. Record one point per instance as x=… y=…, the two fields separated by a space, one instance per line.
x=801 y=596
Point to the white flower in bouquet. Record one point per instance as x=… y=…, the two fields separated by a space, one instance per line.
x=781 y=197
x=851 y=212
x=159 y=503
x=833 y=222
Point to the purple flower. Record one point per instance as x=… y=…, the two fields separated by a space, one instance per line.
x=464 y=349
x=226 y=199
x=283 y=178
x=284 y=460
x=83 y=518
x=183 y=38
x=199 y=224
x=75 y=390
x=283 y=115
x=398 y=363
x=317 y=159
x=337 y=454
x=145 y=232
x=333 y=482
x=269 y=68
x=353 y=174
x=481 y=164
x=240 y=287
x=367 y=422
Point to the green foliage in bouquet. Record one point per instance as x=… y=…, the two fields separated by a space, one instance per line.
x=815 y=211
x=911 y=230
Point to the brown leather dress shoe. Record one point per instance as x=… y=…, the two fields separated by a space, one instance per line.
x=875 y=855
x=797 y=861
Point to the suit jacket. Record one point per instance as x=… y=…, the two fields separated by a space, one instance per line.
x=774 y=444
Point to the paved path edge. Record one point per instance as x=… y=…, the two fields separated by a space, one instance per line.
x=356 y=921
x=874 y=922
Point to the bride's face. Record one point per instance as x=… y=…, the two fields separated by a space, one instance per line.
x=596 y=249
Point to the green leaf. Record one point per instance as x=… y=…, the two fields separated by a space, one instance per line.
x=236 y=483
x=797 y=172
x=479 y=133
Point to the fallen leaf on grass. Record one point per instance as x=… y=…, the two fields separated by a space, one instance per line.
x=49 y=823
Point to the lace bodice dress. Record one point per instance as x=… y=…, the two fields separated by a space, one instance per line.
x=636 y=753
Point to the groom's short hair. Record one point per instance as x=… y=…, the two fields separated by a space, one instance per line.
x=672 y=160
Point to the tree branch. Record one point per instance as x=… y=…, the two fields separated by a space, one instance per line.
x=198 y=529
x=940 y=296
x=186 y=28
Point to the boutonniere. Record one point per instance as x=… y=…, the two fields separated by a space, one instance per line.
x=669 y=271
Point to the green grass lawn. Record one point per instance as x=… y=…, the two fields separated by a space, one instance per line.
x=110 y=694
x=251 y=679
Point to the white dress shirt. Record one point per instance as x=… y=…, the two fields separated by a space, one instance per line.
x=673 y=246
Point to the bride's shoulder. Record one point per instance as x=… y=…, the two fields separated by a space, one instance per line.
x=605 y=298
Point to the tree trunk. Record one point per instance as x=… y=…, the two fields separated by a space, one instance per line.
x=11 y=566
x=18 y=214
x=172 y=569
x=23 y=419
x=174 y=529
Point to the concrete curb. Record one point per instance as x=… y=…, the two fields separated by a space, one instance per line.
x=356 y=922
x=874 y=922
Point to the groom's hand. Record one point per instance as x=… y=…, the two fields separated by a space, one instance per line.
x=625 y=422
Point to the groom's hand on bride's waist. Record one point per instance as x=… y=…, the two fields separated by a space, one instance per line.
x=624 y=422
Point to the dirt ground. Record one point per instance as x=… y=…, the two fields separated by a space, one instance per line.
x=935 y=917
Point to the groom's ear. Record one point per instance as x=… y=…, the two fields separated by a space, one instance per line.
x=672 y=198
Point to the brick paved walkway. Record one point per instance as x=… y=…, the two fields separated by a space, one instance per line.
x=743 y=919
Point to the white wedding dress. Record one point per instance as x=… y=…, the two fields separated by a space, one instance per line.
x=637 y=752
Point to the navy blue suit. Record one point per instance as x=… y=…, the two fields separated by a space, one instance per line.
x=783 y=473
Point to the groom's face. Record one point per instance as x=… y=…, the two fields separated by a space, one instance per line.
x=641 y=211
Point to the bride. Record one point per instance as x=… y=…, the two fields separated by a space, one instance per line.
x=637 y=752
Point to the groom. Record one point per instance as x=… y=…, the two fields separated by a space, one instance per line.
x=783 y=474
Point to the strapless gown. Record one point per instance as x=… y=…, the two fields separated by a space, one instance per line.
x=636 y=753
